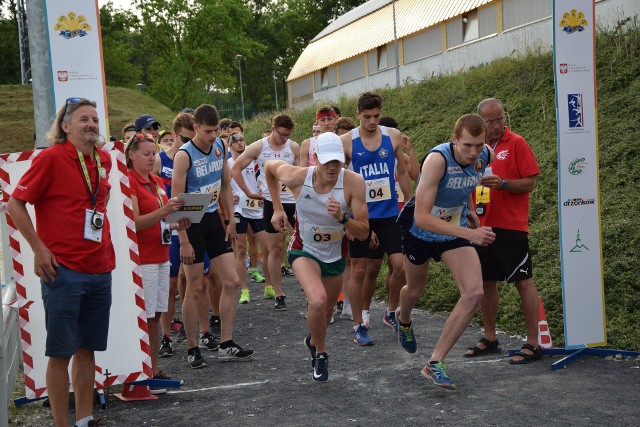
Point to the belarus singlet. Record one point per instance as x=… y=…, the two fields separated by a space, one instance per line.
x=453 y=191
x=268 y=153
x=248 y=208
x=316 y=232
x=378 y=169
x=205 y=171
x=166 y=171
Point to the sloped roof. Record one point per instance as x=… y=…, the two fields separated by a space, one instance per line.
x=371 y=25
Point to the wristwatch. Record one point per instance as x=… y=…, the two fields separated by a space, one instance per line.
x=504 y=184
x=345 y=218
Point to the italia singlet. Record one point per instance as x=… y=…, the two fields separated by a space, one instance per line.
x=248 y=208
x=205 y=171
x=316 y=232
x=268 y=153
x=453 y=191
x=378 y=169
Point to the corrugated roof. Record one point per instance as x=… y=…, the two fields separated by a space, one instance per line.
x=353 y=15
x=340 y=41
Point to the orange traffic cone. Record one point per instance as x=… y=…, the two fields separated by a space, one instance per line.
x=131 y=391
x=544 y=336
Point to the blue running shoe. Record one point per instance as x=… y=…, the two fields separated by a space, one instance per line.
x=436 y=373
x=407 y=338
x=311 y=348
x=321 y=369
x=361 y=336
x=390 y=320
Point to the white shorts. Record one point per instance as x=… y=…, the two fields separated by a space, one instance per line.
x=155 y=283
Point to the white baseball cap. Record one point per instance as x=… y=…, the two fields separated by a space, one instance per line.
x=329 y=147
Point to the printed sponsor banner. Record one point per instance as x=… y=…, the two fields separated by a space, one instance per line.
x=578 y=197
x=75 y=48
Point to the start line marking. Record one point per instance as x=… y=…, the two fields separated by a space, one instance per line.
x=220 y=387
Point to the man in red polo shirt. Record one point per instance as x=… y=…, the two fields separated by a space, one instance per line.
x=502 y=202
x=68 y=184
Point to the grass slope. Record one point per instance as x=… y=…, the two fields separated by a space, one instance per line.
x=17 y=123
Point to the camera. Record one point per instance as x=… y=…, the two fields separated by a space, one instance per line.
x=96 y=221
x=166 y=236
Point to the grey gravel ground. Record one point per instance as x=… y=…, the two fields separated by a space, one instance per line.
x=379 y=385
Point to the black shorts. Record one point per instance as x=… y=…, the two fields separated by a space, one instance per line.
x=418 y=251
x=389 y=234
x=267 y=214
x=242 y=224
x=507 y=258
x=208 y=235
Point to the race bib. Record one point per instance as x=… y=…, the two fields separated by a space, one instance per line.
x=284 y=189
x=213 y=189
x=452 y=215
x=247 y=203
x=399 y=193
x=322 y=233
x=378 y=189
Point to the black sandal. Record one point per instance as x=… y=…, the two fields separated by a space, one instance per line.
x=490 y=348
x=526 y=357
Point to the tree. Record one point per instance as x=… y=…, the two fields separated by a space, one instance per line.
x=10 y=72
x=191 y=45
x=120 y=45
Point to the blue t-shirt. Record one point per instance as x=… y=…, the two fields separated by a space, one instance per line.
x=378 y=169
x=453 y=191
x=205 y=171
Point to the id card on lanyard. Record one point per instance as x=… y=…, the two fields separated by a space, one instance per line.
x=93 y=220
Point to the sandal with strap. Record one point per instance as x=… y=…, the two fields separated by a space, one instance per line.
x=527 y=357
x=490 y=348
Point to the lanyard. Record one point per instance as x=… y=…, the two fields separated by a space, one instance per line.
x=157 y=195
x=85 y=171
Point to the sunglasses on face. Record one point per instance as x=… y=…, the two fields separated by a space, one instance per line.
x=154 y=126
x=184 y=139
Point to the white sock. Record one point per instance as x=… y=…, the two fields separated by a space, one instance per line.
x=84 y=422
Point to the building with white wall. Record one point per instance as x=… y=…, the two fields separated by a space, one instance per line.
x=357 y=52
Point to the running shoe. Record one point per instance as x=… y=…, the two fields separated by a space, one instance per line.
x=232 y=351
x=361 y=336
x=339 y=305
x=407 y=338
x=244 y=296
x=389 y=319
x=286 y=271
x=311 y=348
x=165 y=347
x=214 y=326
x=257 y=277
x=365 y=317
x=195 y=358
x=176 y=325
x=436 y=373
x=280 y=304
x=269 y=292
x=321 y=368
x=346 y=311
x=208 y=342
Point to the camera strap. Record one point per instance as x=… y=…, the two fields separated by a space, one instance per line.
x=157 y=194
x=85 y=172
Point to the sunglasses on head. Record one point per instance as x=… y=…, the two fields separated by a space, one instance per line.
x=69 y=101
x=143 y=136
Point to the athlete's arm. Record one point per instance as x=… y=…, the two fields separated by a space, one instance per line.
x=250 y=154
x=157 y=165
x=295 y=149
x=277 y=171
x=304 y=153
x=432 y=171
x=413 y=166
x=403 y=177
x=346 y=145
x=178 y=186
x=226 y=199
x=358 y=226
